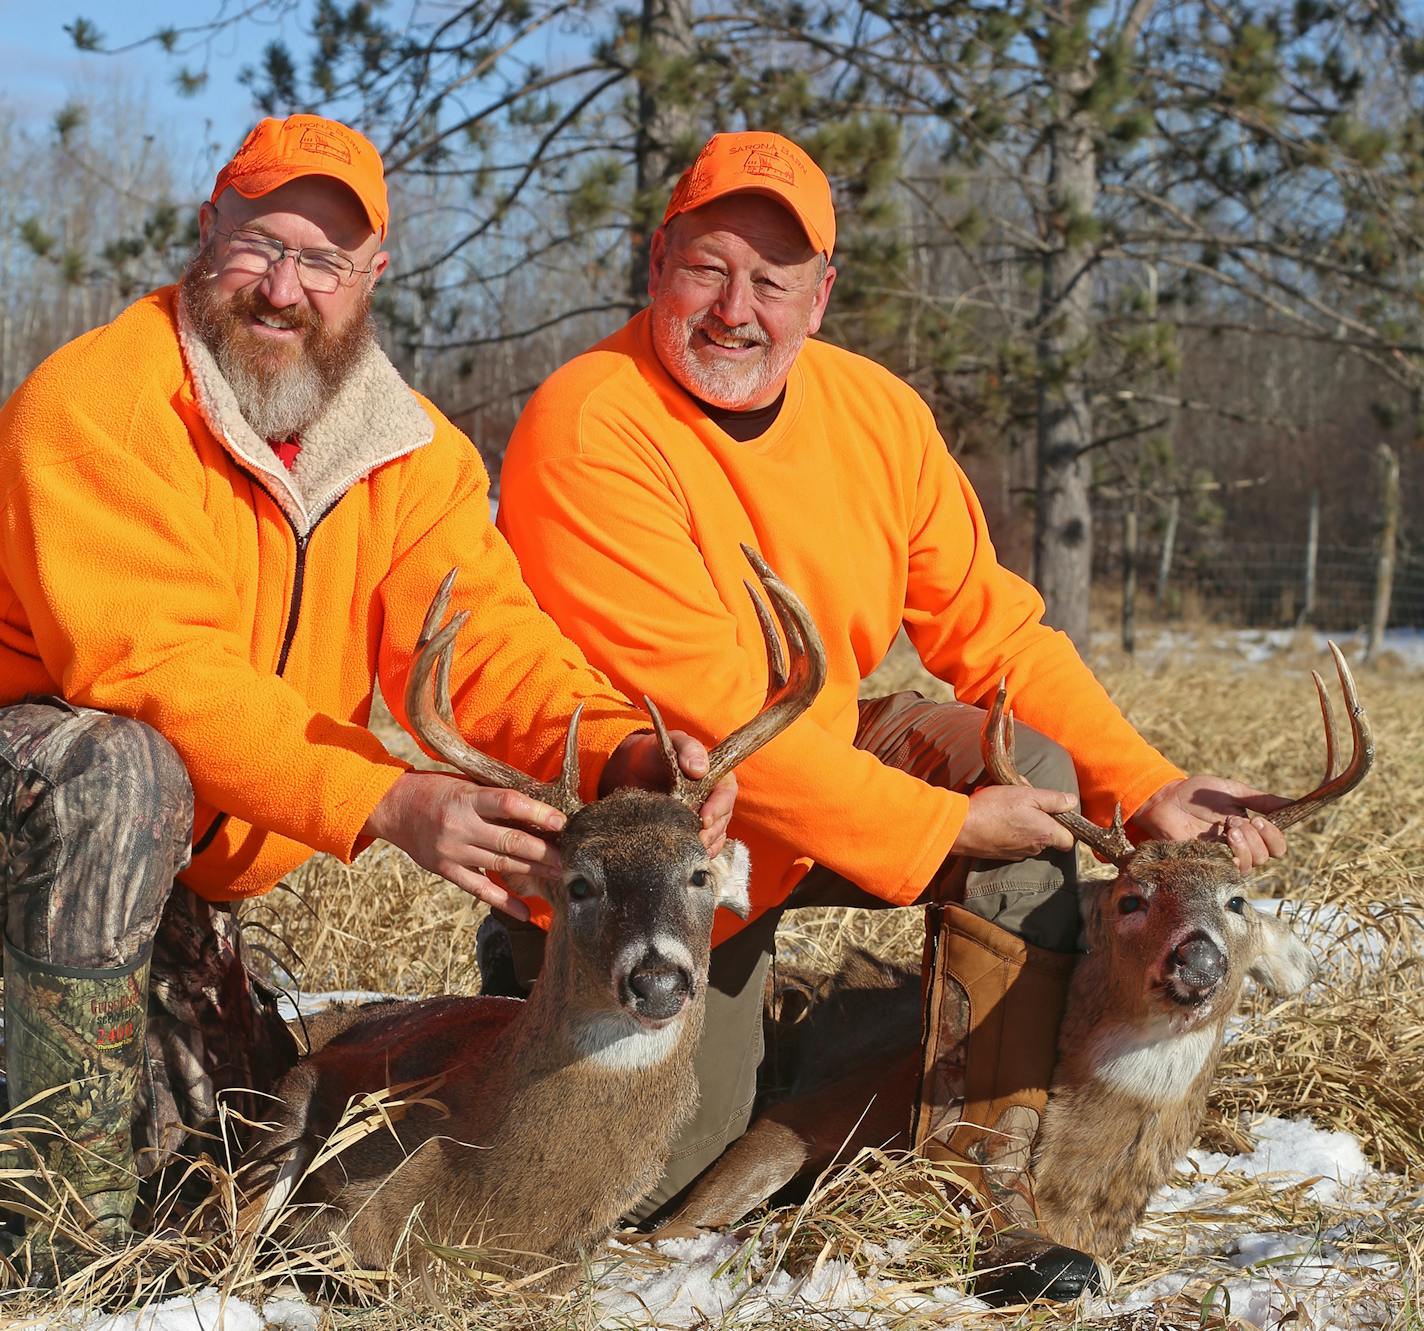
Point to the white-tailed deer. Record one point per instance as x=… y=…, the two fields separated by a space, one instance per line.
x=1170 y=941
x=527 y=1128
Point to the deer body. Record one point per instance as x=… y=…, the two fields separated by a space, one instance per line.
x=531 y=1126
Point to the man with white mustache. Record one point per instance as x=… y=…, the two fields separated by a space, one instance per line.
x=715 y=417
x=225 y=515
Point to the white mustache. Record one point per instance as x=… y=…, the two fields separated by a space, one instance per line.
x=749 y=332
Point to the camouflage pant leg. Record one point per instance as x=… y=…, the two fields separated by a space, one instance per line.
x=96 y=815
x=95 y=822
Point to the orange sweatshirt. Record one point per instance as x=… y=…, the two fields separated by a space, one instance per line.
x=625 y=504
x=157 y=561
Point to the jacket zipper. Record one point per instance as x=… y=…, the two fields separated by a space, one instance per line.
x=294 y=611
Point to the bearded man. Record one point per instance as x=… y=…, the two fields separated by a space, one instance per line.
x=224 y=515
x=715 y=417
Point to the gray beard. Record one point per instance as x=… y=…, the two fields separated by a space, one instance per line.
x=277 y=405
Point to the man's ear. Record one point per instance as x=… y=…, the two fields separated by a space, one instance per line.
x=657 y=257
x=379 y=262
x=731 y=879
x=207 y=220
x=823 y=299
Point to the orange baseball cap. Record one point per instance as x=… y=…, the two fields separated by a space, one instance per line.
x=760 y=163
x=281 y=150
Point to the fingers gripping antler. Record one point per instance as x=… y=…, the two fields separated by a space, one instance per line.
x=997 y=747
x=427 y=703
x=790 y=689
x=1362 y=753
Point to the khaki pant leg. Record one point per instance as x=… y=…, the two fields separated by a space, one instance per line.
x=1035 y=898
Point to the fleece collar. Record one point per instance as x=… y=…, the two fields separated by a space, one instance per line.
x=373 y=418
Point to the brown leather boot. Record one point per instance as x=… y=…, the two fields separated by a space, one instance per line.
x=993 y=1005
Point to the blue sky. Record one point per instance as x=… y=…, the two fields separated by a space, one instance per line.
x=40 y=70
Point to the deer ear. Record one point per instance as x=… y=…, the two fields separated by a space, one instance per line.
x=1284 y=964
x=732 y=876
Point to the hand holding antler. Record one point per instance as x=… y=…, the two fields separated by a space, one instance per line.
x=1214 y=808
x=639 y=761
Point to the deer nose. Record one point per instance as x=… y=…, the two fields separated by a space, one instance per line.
x=658 y=989
x=1198 y=961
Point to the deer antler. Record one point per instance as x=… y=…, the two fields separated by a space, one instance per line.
x=1362 y=755
x=427 y=703
x=996 y=744
x=789 y=692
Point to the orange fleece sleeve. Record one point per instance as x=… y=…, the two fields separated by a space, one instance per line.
x=695 y=645
x=974 y=622
x=515 y=679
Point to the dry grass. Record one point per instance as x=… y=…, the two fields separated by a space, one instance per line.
x=1349 y=1053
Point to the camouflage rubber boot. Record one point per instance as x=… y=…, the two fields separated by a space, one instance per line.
x=993 y=1005
x=74 y=1048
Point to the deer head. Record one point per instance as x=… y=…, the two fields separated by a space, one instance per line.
x=633 y=910
x=1172 y=937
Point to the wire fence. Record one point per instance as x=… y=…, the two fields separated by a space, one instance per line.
x=1262 y=584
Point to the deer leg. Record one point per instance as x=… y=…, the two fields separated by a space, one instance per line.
x=801 y=1136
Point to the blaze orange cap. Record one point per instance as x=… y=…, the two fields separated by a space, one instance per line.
x=281 y=150
x=760 y=163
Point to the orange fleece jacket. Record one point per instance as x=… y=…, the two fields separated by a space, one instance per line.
x=625 y=504
x=154 y=563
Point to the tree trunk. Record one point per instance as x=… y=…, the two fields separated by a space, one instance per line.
x=1063 y=526
x=1389 y=535
x=1164 y=561
x=1312 y=559
x=662 y=129
x=1129 y=576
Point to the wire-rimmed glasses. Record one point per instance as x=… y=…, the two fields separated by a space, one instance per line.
x=319 y=271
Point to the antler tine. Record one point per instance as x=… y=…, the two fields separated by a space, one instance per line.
x=1362 y=753
x=681 y=786
x=432 y=717
x=792 y=686
x=996 y=745
x=1332 y=733
x=775 y=660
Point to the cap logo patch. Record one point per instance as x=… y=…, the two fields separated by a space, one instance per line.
x=763 y=163
x=315 y=141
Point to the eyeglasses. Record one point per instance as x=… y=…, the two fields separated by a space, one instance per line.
x=319 y=271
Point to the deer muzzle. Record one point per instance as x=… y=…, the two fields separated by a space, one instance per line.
x=655 y=989
x=1195 y=968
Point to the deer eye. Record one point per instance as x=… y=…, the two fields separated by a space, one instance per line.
x=1237 y=904
x=579 y=889
x=700 y=878
x=1130 y=905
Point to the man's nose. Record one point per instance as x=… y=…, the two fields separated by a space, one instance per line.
x=733 y=305
x=281 y=286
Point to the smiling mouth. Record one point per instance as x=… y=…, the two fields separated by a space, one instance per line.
x=729 y=342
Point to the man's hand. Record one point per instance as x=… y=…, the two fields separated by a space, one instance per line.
x=1013 y=822
x=1213 y=808
x=639 y=761
x=464 y=832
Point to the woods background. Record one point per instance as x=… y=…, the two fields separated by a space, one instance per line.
x=1155 y=264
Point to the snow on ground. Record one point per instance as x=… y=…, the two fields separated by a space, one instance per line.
x=1155 y=646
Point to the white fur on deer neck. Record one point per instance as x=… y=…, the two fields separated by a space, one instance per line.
x=1159 y=1068
x=619 y=1043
